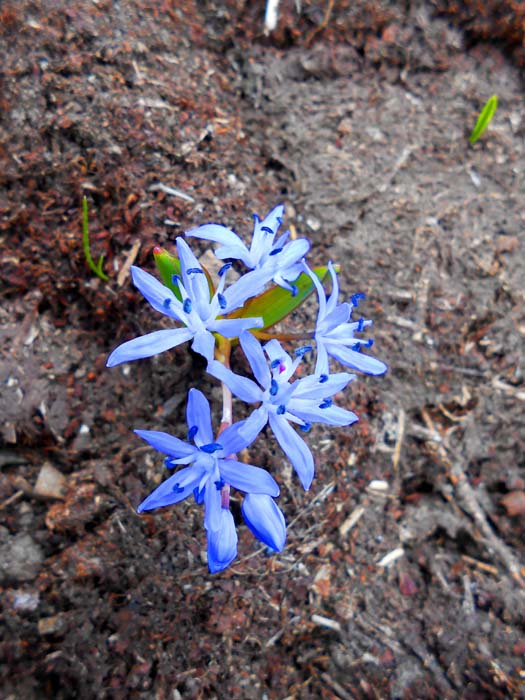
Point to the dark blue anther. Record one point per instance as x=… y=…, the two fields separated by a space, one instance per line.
x=275 y=251
x=199 y=495
x=326 y=403
x=194 y=270
x=175 y=279
x=295 y=290
x=224 y=269
x=306 y=427
x=274 y=388
x=219 y=484
x=177 y=489
x=222 y=301
x=166 y=303
x=169 y=463
x=369 y=343
x=192 y=432
x=360 y=325
x=266 y=229
x=211 y=447
x=281 y=409
x=275 y=363
x=323 y=378
x=187 y=306
x=356 y=347
x=300 y=352
x=355 y=298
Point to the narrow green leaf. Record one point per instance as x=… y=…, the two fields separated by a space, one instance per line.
x=168 y=266
x=97 y=269
x=277 y=303
x=484 y=118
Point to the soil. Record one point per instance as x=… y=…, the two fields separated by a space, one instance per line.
x=403 y=574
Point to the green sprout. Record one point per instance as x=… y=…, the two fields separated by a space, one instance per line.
x=97 y=269
x=484 y=118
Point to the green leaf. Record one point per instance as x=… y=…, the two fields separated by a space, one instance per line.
x=168 y=266
x=277 y=303
x=484 y=118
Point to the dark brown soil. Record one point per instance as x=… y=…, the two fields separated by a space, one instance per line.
x=356 y=116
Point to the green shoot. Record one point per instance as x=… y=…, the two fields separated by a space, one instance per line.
x=97 y=269
x=484 y=118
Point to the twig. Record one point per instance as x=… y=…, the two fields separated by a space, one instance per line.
x=12 y=499
x=158 y=186
x=128 y=263
x=471 y=506
x=321 y=26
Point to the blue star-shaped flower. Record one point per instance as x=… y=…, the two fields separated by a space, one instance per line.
x=209 y=472
x=267 y=258
x=303 y=401
x=334 y=332
x=197 y=312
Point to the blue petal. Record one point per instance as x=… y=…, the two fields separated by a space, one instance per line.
x=173 y=490
x=336 y=318
x=311 y=388
x=247 y=478
x=243 y=433
x=156 y=293
x=356 y=360
x=295 y=449
x=292 y=252
x=309 y=412
x=233 y=327
x=204 y=344
x=148 y=345
x=262 y=239
x=222 y=543
x=236 y=252
x=265 y=520
x=168 y=444
x=249 y=285
x=198 y=413
x=255 y=355
x=322 y=366
x=331 y=305
x=212 y=501
x=217 y=233
x=244 y=388
x=195 y=284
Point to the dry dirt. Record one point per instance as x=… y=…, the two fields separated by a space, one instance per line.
x=356 y=116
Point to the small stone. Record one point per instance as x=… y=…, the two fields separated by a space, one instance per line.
x=20 y=558
x=25 y=601
x=51 y=625
x=50 y=483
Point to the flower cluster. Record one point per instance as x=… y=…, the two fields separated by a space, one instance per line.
x=214 y=316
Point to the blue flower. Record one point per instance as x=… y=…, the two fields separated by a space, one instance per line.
x=334 y=332
x=196 y=311
x=303 y=401
x=267 y=258
x=208 y=474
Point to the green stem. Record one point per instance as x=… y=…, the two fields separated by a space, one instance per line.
x=97 y=269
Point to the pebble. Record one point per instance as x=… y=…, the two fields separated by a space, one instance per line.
x=20 y=557
x=25 y=601
x=50 y=482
